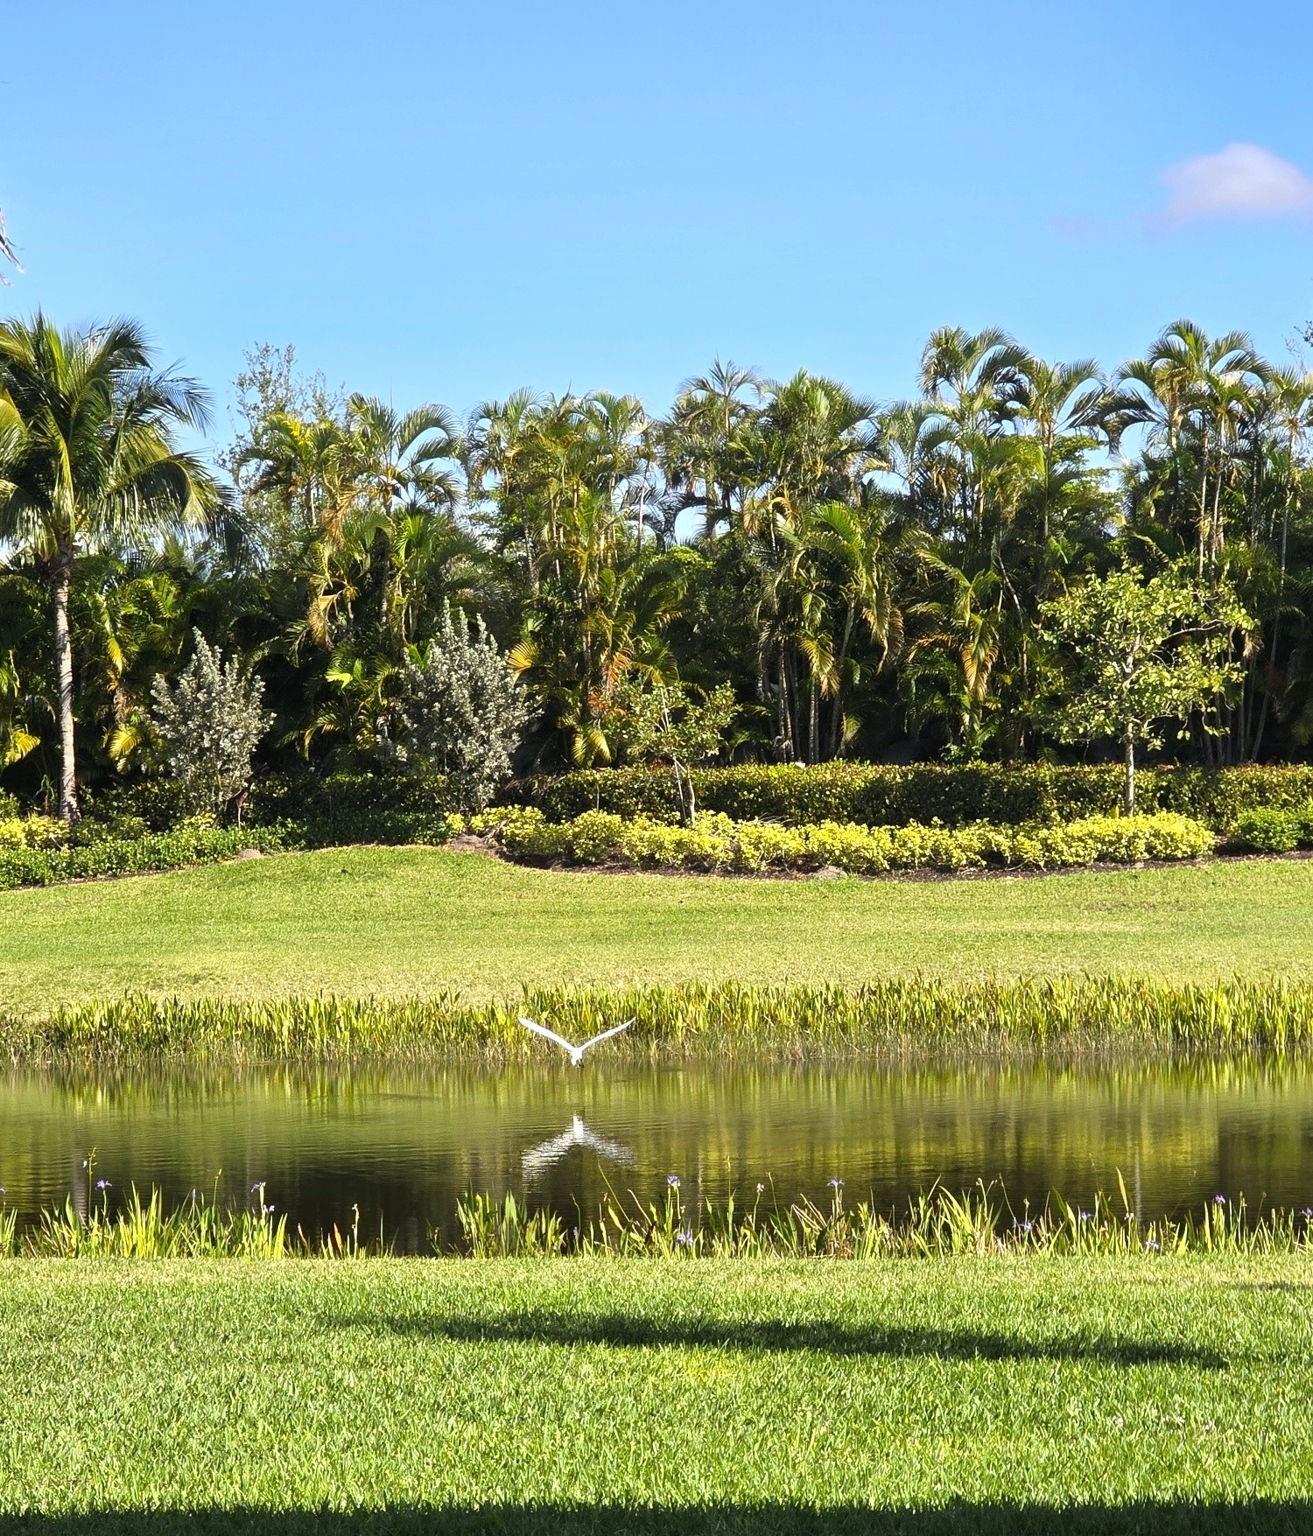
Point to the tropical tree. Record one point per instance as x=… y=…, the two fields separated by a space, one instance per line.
x=1187 y=392
x=1141 y=654
x=91 y=457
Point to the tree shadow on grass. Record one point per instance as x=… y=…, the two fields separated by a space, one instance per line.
x=616 y=1330
x=1161 y=1518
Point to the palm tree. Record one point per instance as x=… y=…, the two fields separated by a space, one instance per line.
x=90 y=457
x=970 y=380
x=966 y=631
x=859 y=548
x=1289 y=396
x=700 y=439
x=1187 y=381
x=403 y=464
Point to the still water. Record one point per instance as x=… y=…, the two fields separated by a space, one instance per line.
x=403 y=1143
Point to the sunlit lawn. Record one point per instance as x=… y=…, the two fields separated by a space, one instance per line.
x=527 y=1390
x=388 y=920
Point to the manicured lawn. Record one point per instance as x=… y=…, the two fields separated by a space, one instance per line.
x=399 y=921
x=565 y=1396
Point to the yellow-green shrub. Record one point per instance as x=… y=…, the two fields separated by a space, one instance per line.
x=32 y=832
x=717 y=843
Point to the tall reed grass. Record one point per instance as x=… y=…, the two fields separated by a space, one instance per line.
x=936 y=1224
x=724 y=1019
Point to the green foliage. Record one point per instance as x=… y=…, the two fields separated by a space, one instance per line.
x=32 y=832
x=1140 y=653
x=350 y=807
x=1274 y=831
x=209 y=724
x=919 y=581
x=199 y=842
x=662 y=724
x=876 y=794
x=721 y=1019
x=459 y=713
x=718 y=843
x=937 y=1224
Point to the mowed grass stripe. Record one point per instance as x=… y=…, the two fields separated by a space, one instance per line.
x=415 y=921
x=541 y=1387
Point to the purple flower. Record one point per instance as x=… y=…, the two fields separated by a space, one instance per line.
x=684 y=1239
x=836 y=1183
x=1219 y=1200
x=1083 y=1216
x=1024 y=1226
x=103 y=1184
x=256 y=1188
x=1150 y=1246
x=1306 y=1213
x=673 y=1180
x=268 y=1209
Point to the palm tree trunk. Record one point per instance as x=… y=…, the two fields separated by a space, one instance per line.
x=68 y=801
x=1276 y=621
x=813 y=725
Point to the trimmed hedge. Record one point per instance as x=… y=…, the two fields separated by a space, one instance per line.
x=1274 y=831
x=717 y=843
x=153 y=852
x=356 y=808
x=876 y=794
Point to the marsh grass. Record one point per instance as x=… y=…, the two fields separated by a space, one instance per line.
x=726 y=1019
x=937 y=1223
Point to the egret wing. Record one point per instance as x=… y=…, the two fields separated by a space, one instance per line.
x=547 y=1034
x=616 y=1029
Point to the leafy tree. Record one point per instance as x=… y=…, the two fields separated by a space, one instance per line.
x=459 y=712
x=208 y=726
x=662 y=724
x=89 y=457
x=1140 y=653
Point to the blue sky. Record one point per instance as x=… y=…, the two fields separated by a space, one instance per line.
x=435 y=202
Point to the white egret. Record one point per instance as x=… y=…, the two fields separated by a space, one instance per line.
x=573 y=1051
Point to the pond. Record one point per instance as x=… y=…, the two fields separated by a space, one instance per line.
x=404 y=1142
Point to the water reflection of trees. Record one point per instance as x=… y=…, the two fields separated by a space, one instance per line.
x=404 y=1141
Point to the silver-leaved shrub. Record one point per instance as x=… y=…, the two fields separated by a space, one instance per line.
x=208 y=726
x=460 y=713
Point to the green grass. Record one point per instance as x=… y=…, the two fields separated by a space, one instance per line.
x=1158 y=1395
x=1057 y=1014
x=398 y=922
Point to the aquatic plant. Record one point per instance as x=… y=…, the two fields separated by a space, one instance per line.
x=937 y=1223
x=899 y=1015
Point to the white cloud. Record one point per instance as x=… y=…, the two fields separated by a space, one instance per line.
x=1241 y=181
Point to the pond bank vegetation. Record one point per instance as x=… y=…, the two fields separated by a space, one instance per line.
x=936 y=1223
x=728 y=1019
